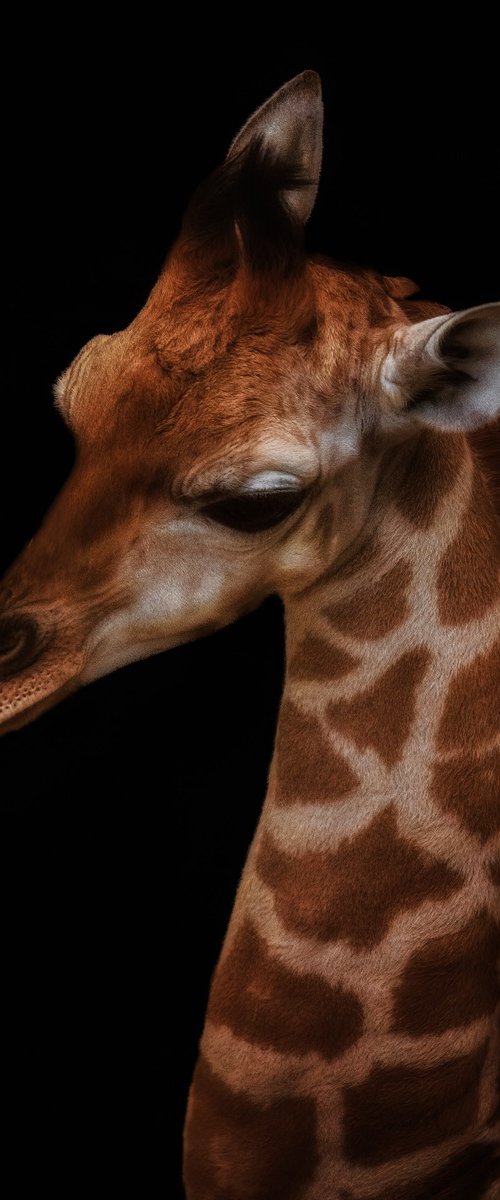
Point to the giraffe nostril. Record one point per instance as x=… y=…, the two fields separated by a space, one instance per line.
x=20 y=644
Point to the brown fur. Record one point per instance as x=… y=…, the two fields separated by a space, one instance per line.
x=451 y=980
x=376 y=610
x=325 y=526
x=464 y=595
x=399 y=1110
x=486 y=444
x=469 y=786
x=347 y=894
x=263 y=1002
x=467 y=1175
x=309 y=769
x=317 y=659
x=266 y=1151
x=383 y=715
x=364 y=555
x=435 y=465
x=473 y=703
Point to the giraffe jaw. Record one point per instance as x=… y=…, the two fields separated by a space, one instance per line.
x=32 y=692
x=24 y=716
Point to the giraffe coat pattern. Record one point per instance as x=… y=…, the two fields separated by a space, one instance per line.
x=276 y=422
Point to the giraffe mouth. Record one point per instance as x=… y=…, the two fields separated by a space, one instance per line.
x=9 y=724
x=40 y=686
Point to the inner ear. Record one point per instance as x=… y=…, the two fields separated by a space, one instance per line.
x=454 y=366
x=290 y=128
x=251 y=210
x=465 y=341
x=445 y=372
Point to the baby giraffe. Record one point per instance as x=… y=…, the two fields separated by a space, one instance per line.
x=276 y=423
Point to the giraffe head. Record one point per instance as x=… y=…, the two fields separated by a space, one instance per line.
x=255 y=383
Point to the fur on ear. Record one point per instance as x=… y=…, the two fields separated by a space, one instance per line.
x=445 y=372
x=290 y=127
x=252 y=208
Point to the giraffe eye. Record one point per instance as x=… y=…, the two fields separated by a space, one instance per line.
x=254 y=512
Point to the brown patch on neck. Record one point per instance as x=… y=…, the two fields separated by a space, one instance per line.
x=377 y=609
x=236 y=1147
x=263 y=1002
x=433 y=471
x=469 y=787
x=467 y=1175
x=309 y=771
x=494 y=870
x=317 y=659
x=468 y=578
x=486 y=446
x=472 y=706
x=399 y=1110
x=450 y=981
x=356 y=892
x=383 y=715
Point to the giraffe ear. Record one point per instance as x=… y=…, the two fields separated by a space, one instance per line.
x=290 y=127
x=445 y=372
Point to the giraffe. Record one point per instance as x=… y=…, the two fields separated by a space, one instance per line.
x=276 y=422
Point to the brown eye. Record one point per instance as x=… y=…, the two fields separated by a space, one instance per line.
x=254 y=512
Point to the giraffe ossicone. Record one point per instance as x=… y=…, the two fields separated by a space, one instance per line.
x=272 y=421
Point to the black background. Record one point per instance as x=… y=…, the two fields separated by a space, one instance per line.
x=126 y=812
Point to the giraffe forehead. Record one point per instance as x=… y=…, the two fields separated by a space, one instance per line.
x=209 y=369
x=204 y=384
x=253 y=411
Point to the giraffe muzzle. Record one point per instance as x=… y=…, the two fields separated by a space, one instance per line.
x=39 y=665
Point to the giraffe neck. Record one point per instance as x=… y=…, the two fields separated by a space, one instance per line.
x=383 y=649
x=357 y=983
x=387 y=739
